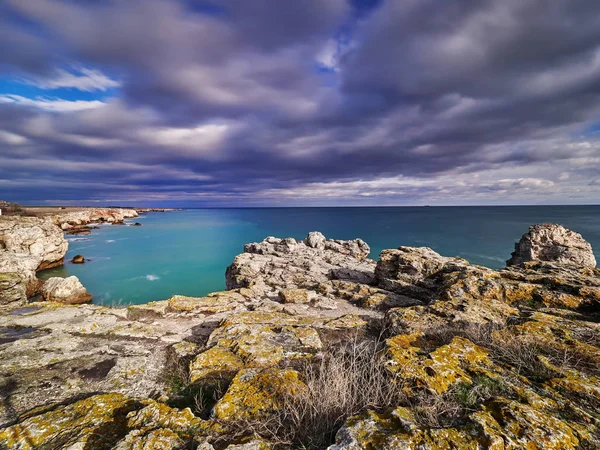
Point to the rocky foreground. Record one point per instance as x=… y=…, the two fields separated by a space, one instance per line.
x=471 y=358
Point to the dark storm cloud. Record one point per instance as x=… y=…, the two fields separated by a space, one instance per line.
x=263 y=102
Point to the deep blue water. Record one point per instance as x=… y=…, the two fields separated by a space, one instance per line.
x=187 y=252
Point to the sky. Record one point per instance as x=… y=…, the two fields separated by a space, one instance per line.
x=304 y=103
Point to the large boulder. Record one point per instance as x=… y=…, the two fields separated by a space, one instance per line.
x=18 y=275
x=65 y=290
x=553 y=243
x=33 y=237
x=412 y=271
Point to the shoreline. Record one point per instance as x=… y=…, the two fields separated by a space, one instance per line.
x=442 y=328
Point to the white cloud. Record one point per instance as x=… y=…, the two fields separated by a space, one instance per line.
x=88 y=80
x=52 y=104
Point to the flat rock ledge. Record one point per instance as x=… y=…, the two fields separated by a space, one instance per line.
x=85 y=376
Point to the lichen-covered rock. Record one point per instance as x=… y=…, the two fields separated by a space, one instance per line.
x=65 y=290
x=103 y=421
x=294 y=296
x=367 y=296
x=257 y=393
x=502 y=424
x=255 y=340
x=96 y=422
x=441 y=369
x=553 y=243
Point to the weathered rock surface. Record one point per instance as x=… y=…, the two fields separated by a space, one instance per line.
x=76 y=219
x=497 y=359
x=68 y=290
x=553 y=243
x=18 y=273
x=104 y=422
x=33 y=237
x=27 y=245
x=424 y=274
x=302 y=272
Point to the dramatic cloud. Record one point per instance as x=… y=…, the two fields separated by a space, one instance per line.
x=266 y=102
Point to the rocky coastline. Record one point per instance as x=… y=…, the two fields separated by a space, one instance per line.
x=472 y=358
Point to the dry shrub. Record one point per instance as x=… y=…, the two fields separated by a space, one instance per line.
x=346 y=381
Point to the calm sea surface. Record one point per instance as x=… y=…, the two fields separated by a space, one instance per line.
x=186 y=252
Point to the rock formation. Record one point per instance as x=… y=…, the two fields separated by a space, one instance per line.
x=27 y=245
x=35 y=237
x=78 y=259
x=68 y=290
x=93 y=215
x=553 y=243
x=484 y=359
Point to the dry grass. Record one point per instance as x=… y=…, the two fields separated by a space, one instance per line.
x=350 y=380
x=346 y=381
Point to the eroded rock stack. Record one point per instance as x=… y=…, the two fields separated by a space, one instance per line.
x=484 y=359
x=553 y=243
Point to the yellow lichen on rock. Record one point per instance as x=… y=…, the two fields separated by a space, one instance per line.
x=439 y=370
x=94 y=422
x=257 y=393
x=216 y=362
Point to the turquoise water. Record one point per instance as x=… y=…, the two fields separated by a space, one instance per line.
x=187 y=252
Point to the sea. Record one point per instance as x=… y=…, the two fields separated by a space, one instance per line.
x=186 y=252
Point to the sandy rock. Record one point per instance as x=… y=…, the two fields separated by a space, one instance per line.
x=65 y=290
x=553 y=243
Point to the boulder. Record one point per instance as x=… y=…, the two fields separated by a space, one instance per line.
x=256 y=394
x=19 y=277
x=78 y=259
x=65 y=290
x=33 y=237
x=413 y=271
x=315 y=239
x=553 y=243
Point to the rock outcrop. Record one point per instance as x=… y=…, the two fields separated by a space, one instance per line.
x=33 y=237
x=27 y=246
x=78 y=259
x=76 y=219
x=483 y=359
x=553 y=243
x=68 y=290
